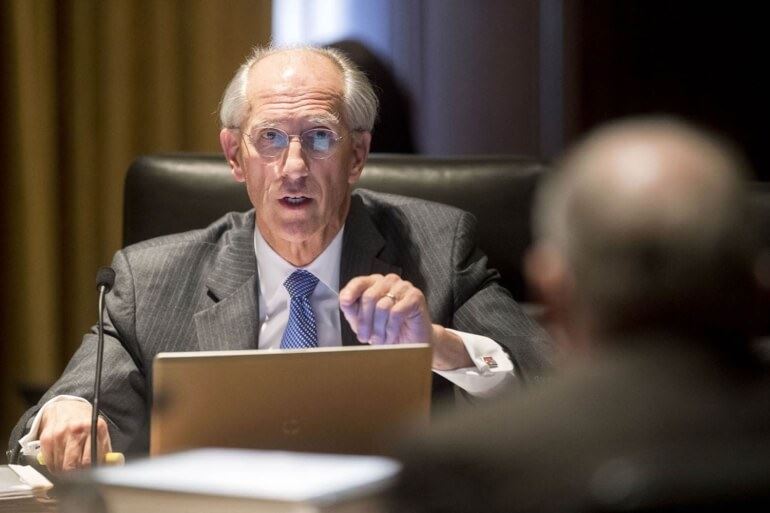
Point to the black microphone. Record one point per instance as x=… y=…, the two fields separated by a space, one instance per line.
x=105 y=278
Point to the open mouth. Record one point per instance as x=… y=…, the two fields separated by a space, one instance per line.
x=295 y=201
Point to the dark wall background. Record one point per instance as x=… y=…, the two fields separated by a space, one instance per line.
x=701 y=60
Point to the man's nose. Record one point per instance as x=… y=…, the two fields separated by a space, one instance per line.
x=296 y=165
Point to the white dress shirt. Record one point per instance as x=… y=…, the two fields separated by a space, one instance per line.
x=274 y=299
x=493 y=368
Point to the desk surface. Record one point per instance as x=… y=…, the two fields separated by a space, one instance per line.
x=29 y=506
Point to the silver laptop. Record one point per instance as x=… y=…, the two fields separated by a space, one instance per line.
x=352 y=399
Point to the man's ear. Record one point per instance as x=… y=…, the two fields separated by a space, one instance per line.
x=361 y=142
x=547 y=275
x=550 y=277
x=231 y=147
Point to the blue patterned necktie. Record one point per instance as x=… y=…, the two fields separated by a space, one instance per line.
x=300 y=330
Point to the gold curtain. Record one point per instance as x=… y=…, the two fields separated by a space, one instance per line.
x=85 y=87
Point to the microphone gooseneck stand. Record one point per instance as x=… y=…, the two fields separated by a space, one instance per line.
x=104 y=281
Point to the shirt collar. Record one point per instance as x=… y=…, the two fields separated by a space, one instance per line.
x=273 y=269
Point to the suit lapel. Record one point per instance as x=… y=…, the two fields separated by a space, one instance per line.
x=232 y=321
x=361 y=245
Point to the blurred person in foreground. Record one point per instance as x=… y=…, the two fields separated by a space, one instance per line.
x=645 y=258
x=314 y=264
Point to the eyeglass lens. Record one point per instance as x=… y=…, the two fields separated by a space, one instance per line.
x=316 y=142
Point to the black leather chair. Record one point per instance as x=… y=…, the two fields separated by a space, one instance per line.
x=177 y=192
x=173 y=193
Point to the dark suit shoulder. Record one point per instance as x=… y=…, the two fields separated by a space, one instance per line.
x=219 y=233
x=416 y=212
x=381 y=200
x=192 y=251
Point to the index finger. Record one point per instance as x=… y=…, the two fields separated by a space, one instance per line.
x=105 y=443
x=355 y=287
x=46 y=453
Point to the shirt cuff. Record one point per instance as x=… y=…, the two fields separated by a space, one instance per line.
x=30 y=445
x=493 y=368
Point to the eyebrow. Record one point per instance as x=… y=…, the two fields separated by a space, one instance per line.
x=313 y=120
x=325 y=120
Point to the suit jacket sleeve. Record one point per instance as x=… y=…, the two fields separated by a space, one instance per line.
x=123 y=393
x=482 y=306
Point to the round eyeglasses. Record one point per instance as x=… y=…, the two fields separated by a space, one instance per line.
x=317 y=143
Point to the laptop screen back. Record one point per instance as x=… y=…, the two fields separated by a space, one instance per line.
x=352 y=399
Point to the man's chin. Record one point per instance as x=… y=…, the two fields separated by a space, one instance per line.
x=300 y=232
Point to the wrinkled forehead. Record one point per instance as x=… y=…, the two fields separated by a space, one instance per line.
x=294 y=84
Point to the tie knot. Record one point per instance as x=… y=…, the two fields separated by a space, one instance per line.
x=300 y=283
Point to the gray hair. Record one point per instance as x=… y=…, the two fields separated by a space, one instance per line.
x=653 y=259
x=359 y=101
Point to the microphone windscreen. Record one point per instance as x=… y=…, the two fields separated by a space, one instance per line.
x=105 y=277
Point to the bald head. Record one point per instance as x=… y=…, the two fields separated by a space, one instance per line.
x=648 y=218
x=302 y=63
x=295 y=68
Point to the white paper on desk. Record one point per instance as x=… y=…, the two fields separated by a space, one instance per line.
x=268 y=475
x=21 y=481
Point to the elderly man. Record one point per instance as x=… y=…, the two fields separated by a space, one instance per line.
x=645 y=257
x=296 y=130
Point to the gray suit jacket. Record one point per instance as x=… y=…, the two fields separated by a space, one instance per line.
x=199 y=291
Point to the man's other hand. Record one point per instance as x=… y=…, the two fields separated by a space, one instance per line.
x=388 y=310
x=65 y=436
